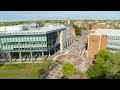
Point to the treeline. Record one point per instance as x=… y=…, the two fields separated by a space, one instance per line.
x=14 y=23
x=21 y=22
x=40 y=22
x=55 y=21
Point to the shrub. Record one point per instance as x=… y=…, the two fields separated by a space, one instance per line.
x=68 y=69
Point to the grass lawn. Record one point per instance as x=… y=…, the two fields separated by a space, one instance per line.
x=23 y=71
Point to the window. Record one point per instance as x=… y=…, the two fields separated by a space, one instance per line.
x=39 y=42
x=118 y=37
x=33 y=42
x=110 y=37
x=45 y=42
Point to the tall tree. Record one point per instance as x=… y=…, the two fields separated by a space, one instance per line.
x=77 y=30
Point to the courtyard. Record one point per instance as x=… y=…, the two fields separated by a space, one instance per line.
x=80 y=64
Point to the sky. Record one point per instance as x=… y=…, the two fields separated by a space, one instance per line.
x=58 y=15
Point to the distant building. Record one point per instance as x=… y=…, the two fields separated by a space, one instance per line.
x=82 y=24
x=102 y=39
x=102 y=26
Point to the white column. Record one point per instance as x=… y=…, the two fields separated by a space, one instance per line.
x=49 y=53
x=42 y=54
x=61 y=41
x=20 y=56
x=88 y=47
x=9 y=57
x=31 y=56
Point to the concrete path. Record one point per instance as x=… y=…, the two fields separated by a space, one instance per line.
x=55 y=73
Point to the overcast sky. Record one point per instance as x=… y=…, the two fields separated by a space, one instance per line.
x=41 y=15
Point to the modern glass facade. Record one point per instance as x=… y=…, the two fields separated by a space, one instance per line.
x=113 y=43
x=23 y=43
x=42 y=44
x=32 y=43
x=27 y=43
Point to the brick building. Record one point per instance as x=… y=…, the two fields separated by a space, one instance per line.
x=102 y=39
x=100 y=26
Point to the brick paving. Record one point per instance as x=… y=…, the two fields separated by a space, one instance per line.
x=80 y=65
x=72 y=55
x=55 y=73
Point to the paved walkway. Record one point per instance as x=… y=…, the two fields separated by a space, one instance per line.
x=55 y=73
x=73 y=54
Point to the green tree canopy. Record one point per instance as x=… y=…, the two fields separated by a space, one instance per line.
x=112 y=65
x=103 y=54
x=108 y=69
x=90 y=26
x=77 y=30
x=96 y=72
x=68 y=69
x=100 y=60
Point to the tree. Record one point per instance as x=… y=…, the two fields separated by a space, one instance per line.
x=90 y=26
x=112 y=66
x=21 y=22
x=41 y=24
x=103 y=53
x=108 y=69
x=100 y=60
x=68 y=69
x=96 y=72
x=77 y=30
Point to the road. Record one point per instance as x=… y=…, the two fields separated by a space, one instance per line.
x=78 y=46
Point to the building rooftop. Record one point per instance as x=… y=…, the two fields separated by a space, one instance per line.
x=112 y=32
x=42 y=30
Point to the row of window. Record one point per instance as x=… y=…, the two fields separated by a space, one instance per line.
x=14 y=43
x=114 y=43
x=114 y=37
x=40 y=48
x=112 y=49
x=17 y=49
x=23 y=39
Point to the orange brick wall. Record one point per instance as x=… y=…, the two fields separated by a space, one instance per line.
x=93 y=46
x=103 y=42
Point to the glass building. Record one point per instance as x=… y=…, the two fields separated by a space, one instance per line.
x=30 y=43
